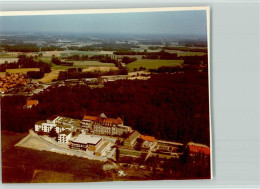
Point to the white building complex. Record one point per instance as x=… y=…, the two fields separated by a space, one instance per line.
x=64 y=128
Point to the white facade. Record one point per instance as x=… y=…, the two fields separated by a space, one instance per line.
x=47 y=127
x=63 y=138
x=43 y=126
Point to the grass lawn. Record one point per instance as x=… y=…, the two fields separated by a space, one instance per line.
x=152 y=64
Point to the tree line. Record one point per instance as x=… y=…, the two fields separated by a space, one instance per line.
x=28 y=47
x=167 y=106
x=26 y=62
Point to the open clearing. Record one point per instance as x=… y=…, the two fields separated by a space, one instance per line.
x=86 y=64
x=22 y=70
x=8 y=60
x=48 y=77
x=101 y=69
x=185 y=53
x=77 y=64
x=153 y=64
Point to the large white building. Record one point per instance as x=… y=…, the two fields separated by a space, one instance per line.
x=63 y=126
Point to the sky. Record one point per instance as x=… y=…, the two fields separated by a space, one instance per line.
x=174 y=22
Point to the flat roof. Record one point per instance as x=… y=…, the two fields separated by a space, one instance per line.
x=86 y=139
x=66 y=132
x=67 y=120
x=104 y=145
x=170 y=142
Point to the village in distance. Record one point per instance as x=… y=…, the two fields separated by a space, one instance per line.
x=93 y=107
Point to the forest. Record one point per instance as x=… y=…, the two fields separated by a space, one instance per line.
x=26 y=62
x=173 y=107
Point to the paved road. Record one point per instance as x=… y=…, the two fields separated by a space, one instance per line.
x=52 y=147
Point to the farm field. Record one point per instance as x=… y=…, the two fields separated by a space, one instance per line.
x=100 y=68
x=152 y=64
x=48 y=77
x=66 y=53
x=2 y=60
x=87 y=64
x=186 y=53
x=22 y=70
x=77 y=64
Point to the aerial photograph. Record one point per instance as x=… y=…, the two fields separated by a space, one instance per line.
x=105 y=97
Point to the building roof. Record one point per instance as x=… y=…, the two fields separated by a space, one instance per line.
x=32 y=102
x=110 y=121
x=87 y=139
x=197 y=144
x=40 y=122
x=103 y=146
x=203 y=149
x=133 y=135
x=147 y=138
x=170 y=142
x=68 y=121
x=103 y=119
x=92 y=118
x=102 y=115
x=66 y=132
x=64 y=126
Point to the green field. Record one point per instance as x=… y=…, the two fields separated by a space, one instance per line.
x=86 y=64
x=22 y=70
x=152 y=64
x=77 y=64
x=186 y=53
x=89 y=53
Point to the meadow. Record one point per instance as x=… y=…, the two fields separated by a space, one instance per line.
x=152 y=64
x=22 y=70
x=186 y=53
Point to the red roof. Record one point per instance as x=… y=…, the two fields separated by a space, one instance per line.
x=109 y=121
x=147 y=138
x=104 y=120
x=32 y=102
x=198 y=148
x=92 y=118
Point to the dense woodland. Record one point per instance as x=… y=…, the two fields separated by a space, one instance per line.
x=167 y=106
